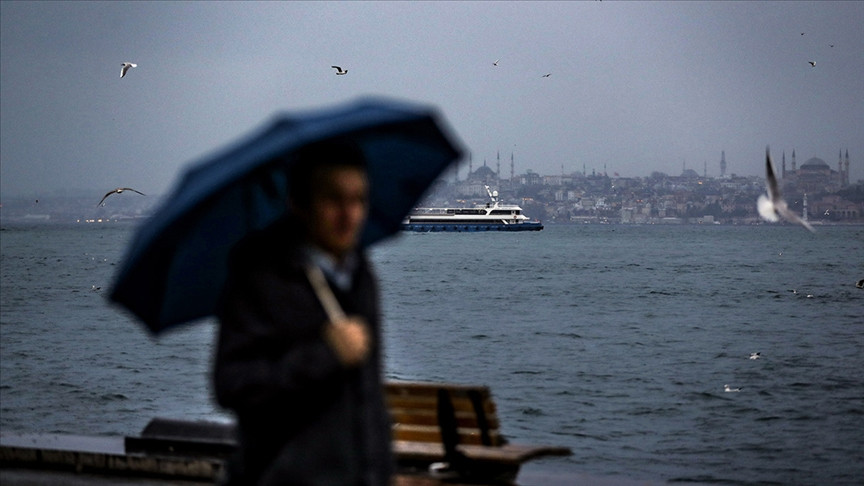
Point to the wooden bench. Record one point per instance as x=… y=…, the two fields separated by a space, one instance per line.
x=451 y=429
x=456 y=427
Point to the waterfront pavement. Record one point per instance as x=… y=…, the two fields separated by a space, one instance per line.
x=51 y=459
x=32 y=477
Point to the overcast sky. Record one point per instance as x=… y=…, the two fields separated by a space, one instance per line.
x=637 y=87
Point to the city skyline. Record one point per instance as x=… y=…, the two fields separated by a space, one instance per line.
x=721 y=165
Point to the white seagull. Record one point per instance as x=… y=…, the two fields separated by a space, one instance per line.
x=772 y=206
x=118 y=191
x=125 y=67
x=496 y=62
x=754 y=356
x=727 y=388
x=339 y=70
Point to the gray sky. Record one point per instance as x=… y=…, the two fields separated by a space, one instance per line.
x=639 y=87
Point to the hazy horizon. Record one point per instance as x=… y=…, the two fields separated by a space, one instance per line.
x=635 y=87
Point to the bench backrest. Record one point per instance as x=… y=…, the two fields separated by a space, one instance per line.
x=431 y=412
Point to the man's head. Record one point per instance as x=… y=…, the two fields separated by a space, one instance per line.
x=329 y=192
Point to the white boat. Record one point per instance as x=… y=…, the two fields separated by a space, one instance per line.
x=492 y=216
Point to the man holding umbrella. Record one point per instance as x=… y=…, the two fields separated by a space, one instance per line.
x=268 y=235
x=302 y=376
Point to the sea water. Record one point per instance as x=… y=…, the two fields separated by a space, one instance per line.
x=613 y=340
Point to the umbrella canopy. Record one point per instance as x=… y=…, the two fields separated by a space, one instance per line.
x=177 y=263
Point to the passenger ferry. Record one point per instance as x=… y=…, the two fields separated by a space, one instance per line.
x=492 y=216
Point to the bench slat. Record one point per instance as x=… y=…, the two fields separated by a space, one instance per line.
x=506 y=454
x=420 y=402
x=416 y=417
x=419 y=433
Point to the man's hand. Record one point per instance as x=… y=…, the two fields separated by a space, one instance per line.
x=350 y=339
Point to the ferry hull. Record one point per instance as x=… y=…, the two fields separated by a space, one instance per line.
x=470 y=227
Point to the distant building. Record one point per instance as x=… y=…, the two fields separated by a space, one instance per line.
x=689 y=174
x=815 y=175
x=475 y=184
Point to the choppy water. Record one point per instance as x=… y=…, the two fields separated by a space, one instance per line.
x=613 y=340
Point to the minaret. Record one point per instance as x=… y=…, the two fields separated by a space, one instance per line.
x=794 y=166
x=783 y=172
x=470 y=165
x=512 y=168
x=840 y=168
x=498 y=167
x=722 y=163
x=705 y=169
x=846 y=172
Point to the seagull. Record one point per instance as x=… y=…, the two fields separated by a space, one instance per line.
x=496 y=62
x=118 y=191
x=812 y=63
x=727 y=388
x=860 y=284
x=754 y=356
x=547 y=75
x=772 y=207
x=339 y=70
x=125 y=67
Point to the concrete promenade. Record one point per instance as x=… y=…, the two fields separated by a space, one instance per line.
x=52 y=459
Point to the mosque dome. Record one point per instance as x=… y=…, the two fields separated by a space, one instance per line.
x=815 y=163
x=484 y=172
x=690 y=174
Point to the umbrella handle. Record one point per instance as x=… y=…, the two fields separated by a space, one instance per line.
x=324 y=293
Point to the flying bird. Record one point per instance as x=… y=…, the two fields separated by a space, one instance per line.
x=547 y=75
x=812 y=63
x=860 y=284
x=118 y=191
x=772 y=207
x=339 y=70
x=496 y=62
x=755 y=355
x=125 y=67
x=728 y=388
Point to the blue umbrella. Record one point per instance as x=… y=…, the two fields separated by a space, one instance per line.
x=177 y=262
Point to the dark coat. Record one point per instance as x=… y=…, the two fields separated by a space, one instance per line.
x=303 y=418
